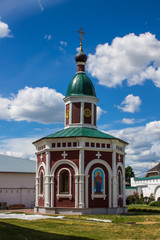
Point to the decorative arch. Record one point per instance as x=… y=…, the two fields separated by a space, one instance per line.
x=101 y=162
x=119 y=164
x=55 y=166
x=155 y=191
x=66 y=161
x=90 y=164
x=39 y=166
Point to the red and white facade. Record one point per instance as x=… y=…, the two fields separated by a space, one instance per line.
x=81 y=174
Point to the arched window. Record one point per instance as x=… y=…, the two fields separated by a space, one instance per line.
x=119 y=183
x=64 y=182
x=41 y=182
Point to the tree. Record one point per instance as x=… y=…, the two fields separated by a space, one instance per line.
x=128 y=173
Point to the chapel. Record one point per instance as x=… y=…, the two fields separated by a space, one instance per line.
x=80 y=170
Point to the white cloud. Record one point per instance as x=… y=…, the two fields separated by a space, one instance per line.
x=128 y=120
x=130 y=104
x=143 y=145
x=18 y=147
x=99 y=112
x=4 y=30
x=130 y=58
x=63 y=43
x=40 y=5
x=48 y=37
x=41 y=105
x=78 y=49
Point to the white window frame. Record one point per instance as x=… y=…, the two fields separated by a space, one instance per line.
x=64 y=195
x=41 y=195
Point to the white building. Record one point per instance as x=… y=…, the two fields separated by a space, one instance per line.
x=150 y=184
x=17 y=181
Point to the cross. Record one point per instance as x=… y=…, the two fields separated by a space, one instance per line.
x=41 y=157
x=64 y=154
x=81 y=37
x=98 y=155
x=119 y=157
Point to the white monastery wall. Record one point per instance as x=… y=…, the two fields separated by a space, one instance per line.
x=148 y=186
x=17 y=188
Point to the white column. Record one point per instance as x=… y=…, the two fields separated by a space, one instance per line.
x=76 y=191
x=86 y=190
x=124 y=192
x=52 y=192
x=82 y=112
x=81 y=178
x=124 y=183
x=115 y=197
x=47 y=180
x=70 y=113
x=110 y=191
x=92 y=107
x=37 y=181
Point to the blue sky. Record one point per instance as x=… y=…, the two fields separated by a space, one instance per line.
x=38 y=42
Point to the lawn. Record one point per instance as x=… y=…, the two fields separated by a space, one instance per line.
x=78 y=227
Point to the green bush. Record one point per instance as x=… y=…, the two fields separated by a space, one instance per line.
x=155 y=203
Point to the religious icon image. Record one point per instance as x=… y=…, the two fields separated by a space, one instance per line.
x=98 y=182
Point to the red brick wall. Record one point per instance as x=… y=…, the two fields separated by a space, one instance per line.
x=41 y=202
x=64 y=202
x=76 y=107
x=80 y=68
x=72 y=155
x=90 y=155
x=98 y=202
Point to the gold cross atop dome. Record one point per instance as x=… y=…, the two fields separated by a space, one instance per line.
x=81 y=37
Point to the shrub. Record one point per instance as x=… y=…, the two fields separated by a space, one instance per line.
x=154 y=204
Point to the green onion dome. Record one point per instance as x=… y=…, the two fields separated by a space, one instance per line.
x=81 y=85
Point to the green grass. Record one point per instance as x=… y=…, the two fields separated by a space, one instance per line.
x=142 y=208
x=78 y=227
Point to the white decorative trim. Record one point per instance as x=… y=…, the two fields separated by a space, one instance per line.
x=73 y=165
x=41 y=194
x=80 y=125
x=100 y=161
x=81 y=178
x=119 y=164
x=94 y=195
x=64 y=195
x=64 y=154
x=98 y=155
x=39 y=166
x=60 y=162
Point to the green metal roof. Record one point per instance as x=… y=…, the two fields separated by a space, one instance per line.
x=128 y=187
x=79 y=132
x=147 y=178
x=81 y=85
